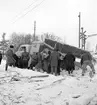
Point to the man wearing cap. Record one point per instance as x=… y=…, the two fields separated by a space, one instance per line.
x=25 y=58
x=10 y=61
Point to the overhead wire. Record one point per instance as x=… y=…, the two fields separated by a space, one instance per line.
x=25 y=8
x=29 y=11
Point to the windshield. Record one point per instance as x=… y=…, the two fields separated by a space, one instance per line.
x=21 y=48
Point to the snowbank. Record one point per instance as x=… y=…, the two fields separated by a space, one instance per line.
x=26 y=87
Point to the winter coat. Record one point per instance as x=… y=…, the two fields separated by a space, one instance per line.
x=69 y=61
x=25 y=56
x=9 y=54
x=54 y=58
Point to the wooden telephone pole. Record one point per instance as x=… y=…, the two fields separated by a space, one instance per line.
x=34 y=30
x=3 y=41
x=82 y=36
x=79 y=27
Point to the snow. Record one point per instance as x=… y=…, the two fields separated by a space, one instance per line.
x=77 y=59
x=27 y=87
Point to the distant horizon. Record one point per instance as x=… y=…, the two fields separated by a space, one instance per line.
x=89 y=41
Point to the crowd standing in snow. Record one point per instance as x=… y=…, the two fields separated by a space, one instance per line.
x=47 y=61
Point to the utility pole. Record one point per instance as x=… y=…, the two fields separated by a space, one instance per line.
x=3 y=40
x=79 y=27
x=34 y=30
x=83 y=38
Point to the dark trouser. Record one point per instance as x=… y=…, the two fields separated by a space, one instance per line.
x=9 y=64
x=70 y=71
x=20 y=63
x=49 y=68
x=70 y=66
x=33 y=64
x=0 y=61
x=25 y=63
x=58 y=68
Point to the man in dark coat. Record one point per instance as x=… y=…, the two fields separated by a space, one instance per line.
x=86 y=60
x=0 y=57
x=54 y=61
x=69 y=60
x=25 y=58
x=9 y=55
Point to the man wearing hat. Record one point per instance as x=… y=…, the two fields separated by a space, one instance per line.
x=10 y=61
x=25 y=58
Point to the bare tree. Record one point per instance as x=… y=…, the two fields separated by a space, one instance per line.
x=19 y=39
x=4 y=43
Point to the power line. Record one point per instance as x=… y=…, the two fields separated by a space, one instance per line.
x=29 y=11
x=25 y=8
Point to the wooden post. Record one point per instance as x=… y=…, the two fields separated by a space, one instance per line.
x=79 y=27
x=34 y=30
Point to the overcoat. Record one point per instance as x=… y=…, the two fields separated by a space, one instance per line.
x=54 y=58
x=9 y=55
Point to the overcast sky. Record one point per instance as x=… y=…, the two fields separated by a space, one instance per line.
x=56 y=16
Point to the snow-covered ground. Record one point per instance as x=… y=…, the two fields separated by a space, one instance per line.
x=27 y=87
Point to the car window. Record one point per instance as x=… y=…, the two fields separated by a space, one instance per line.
x=21 y=48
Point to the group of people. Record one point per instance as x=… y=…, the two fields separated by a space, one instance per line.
x=13 y=60
x=48 y=61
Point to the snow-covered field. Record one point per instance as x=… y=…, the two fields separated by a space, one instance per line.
x=27 y=87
